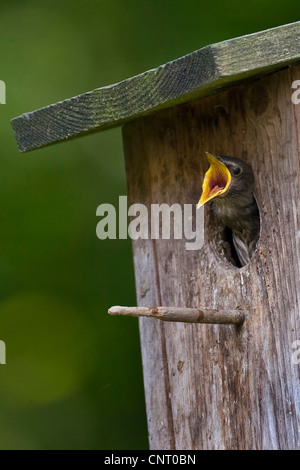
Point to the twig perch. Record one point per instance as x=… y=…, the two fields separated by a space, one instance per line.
x=183 y=314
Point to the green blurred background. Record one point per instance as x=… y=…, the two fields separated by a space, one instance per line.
x=73 y=378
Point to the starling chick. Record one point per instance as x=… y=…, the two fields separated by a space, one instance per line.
x=229 y=182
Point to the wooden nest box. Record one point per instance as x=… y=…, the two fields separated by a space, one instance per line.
x=228 y=384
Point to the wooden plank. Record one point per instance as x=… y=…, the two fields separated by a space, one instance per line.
x=193 y=76
x=216 y=386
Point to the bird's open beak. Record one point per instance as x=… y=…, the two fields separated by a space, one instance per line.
x=216 y=180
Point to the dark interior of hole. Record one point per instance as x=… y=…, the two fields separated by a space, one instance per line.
x=233 y=255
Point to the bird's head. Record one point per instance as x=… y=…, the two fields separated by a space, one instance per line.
x=226 y=177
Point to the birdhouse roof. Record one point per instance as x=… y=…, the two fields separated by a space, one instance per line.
x=188 y=78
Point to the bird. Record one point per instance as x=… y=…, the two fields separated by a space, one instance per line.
x=229 y=185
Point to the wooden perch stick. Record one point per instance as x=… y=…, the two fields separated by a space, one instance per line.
x=183 y=314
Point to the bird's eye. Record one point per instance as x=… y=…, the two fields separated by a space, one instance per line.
x=237 y=171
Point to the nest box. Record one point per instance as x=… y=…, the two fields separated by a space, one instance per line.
x=232 y=383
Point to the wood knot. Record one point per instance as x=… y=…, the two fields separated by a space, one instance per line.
x=153 y=310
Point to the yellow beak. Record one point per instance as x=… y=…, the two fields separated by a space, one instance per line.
x=216 y=180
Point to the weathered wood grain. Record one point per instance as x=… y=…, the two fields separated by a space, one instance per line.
x=210 y=386
x=188 y=78
x=183 y=314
